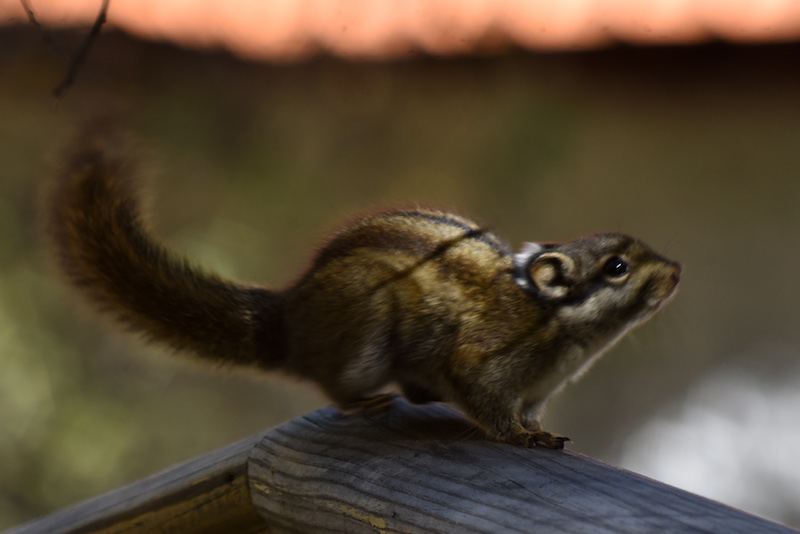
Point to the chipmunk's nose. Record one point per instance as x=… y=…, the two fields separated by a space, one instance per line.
x=675 y=275
x=672 y=278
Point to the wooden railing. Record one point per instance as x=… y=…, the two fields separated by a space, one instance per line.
x=410 y=469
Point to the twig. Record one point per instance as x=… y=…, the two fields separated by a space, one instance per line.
x=80 y=56
x=46 y=35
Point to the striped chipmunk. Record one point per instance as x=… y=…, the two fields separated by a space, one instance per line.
x=426 y=300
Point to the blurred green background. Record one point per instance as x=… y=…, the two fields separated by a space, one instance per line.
x=696 y=150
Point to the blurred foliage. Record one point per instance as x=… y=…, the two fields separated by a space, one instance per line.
x=695 y=150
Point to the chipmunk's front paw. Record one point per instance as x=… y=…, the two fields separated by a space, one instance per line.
x=533 y=438
x=548 y=440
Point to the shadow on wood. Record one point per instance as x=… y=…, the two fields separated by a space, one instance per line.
x=409 y=469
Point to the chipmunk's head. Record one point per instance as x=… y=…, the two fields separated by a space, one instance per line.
x=601 y=284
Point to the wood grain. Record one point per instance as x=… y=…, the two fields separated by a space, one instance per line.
x=427 y=469
x=208 y=494
x=408 y=469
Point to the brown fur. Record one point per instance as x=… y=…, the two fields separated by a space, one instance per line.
x=424 y=299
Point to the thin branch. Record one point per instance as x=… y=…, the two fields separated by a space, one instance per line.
x=46 y=35
x=80 y=56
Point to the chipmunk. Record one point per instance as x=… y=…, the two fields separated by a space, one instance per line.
x=429 y=301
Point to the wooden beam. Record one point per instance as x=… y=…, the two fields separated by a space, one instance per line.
x=409 y=469
x=208 y=494
x=426 y=470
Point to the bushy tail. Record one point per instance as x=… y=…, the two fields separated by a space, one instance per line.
x=104 y=249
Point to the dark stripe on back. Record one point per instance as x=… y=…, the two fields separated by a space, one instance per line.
x=438 y=251
x=375 y=234
x=371 y=237
x=471 y=232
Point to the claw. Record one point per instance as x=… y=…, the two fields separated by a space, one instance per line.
x=547 y=440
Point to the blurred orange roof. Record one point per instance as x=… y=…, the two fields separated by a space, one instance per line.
x=284 y=30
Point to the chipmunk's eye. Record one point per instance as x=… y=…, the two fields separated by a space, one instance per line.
x=616 y=267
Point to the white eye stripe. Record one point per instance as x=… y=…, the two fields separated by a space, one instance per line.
x=590 y=309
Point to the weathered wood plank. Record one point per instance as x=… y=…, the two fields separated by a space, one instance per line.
x=409 y=469
x=426 y=469
x=208 y=494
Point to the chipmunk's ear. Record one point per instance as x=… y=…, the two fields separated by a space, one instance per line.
x=553 y=274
